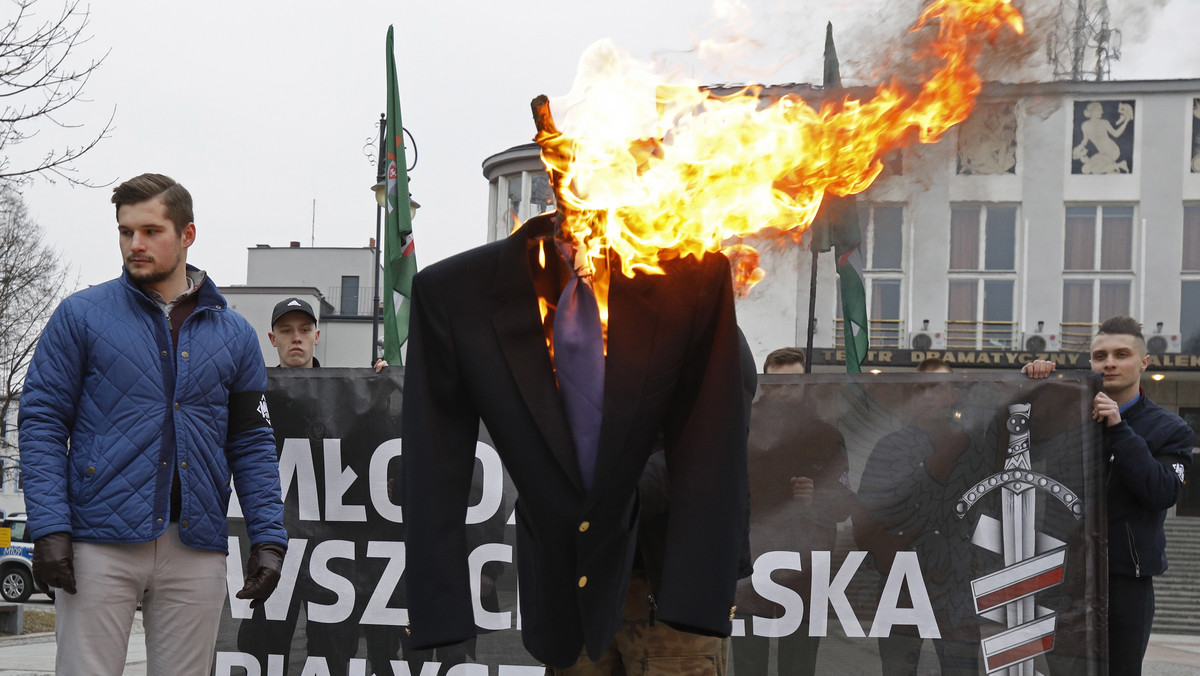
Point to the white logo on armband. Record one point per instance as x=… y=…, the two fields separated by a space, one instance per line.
x=1179 y=471
x=262 y=409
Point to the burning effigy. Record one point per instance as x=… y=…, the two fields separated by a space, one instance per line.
x=676 y=170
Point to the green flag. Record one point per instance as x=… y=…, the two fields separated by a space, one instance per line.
x=854 y=304
x=836 y=227
x=400 y=260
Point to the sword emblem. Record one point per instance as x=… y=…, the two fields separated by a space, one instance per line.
x=1008 y=595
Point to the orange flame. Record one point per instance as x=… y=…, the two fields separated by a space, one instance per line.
x=700 y=170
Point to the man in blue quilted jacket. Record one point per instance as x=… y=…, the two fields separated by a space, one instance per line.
x=142 y=409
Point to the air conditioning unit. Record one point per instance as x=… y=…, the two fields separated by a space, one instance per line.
x=1040 y=342
x=1164 y=343
x=927 y=340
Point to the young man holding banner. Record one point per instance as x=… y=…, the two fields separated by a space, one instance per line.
x=1148 y=450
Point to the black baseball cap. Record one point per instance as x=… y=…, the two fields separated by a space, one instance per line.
x=291 y=305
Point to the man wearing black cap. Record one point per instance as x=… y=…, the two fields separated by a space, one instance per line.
x=294 y=334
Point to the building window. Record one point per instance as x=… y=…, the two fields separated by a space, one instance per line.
x=508 y=192
x=349 y=304
x=883 y=248
x=885 y=299
x=883 y=314
x=1097 y=270
x=1191 y=238
x=984 y=233
x=521 y=196
x=1189 y=316
x=541 y=197
x=885 y=233
x=1098 y=238
x=982 y=276
x=513 y=191
x=980 y=314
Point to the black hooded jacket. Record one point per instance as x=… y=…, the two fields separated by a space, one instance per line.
x=1148 y=453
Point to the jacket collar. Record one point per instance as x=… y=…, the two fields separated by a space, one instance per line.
x=207 y=296
x=518 y=324
x=1136 y=406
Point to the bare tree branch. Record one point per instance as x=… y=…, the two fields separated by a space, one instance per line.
x=33 y=280
x=40 y=79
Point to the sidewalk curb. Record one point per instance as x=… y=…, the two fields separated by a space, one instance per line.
x=24 y=639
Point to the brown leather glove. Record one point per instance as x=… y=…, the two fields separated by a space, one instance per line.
x=54 y=562
x=262 y=573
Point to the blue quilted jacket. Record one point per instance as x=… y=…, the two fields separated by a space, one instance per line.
x=111 y=411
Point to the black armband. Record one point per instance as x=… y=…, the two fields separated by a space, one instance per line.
x=247 y=411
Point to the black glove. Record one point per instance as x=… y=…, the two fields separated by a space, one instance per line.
x=262 y=573
x=54 y=562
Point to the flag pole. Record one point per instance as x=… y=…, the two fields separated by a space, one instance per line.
x=836 y=227
x=380 y=175
x=812 y=312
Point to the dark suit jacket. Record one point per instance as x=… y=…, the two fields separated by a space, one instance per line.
x=654 y=491
x=477 y=350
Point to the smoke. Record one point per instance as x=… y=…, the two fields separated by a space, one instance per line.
x=773 y=41
x=782 y=41
x=1134 y=18
x=1158 y=39
x=881 y=47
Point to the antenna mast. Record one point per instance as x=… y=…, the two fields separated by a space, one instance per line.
x=1079 y=33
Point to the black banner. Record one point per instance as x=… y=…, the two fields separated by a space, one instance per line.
x=943 y=523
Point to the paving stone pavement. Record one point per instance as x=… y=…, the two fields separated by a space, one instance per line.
x=33 y=655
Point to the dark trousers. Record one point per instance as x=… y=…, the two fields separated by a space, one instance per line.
x=1130 y=619
x=796 y=654
x=900 y=655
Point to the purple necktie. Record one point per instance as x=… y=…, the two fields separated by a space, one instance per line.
x=579 y=362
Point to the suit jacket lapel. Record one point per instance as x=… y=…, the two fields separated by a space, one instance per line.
x=519 y=331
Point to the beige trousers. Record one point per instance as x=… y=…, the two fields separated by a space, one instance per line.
x=644 y=649
x=181 y=589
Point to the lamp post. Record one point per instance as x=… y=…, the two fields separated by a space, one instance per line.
x=380 y=189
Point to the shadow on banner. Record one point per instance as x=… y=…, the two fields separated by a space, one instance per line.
x=900 y=524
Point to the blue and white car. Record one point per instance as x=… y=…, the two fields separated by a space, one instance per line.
x=16 y=561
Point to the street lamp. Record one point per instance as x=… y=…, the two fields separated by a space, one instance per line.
x=380 y=189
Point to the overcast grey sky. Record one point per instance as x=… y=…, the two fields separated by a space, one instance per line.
x=260 y=108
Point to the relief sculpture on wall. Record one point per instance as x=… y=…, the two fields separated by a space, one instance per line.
x=987 y=141
x=1103 y=138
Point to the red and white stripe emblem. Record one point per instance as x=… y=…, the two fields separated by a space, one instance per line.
x=1019 y=580
x=1019 y=644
